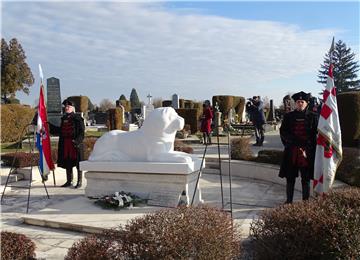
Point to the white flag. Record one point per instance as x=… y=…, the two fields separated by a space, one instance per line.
x=328 y=149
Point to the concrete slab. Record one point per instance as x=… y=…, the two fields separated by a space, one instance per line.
x=81 y=214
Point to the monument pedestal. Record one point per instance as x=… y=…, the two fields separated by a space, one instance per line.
x=162 y=184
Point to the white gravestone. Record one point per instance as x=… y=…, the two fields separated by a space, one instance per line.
x=144 y=162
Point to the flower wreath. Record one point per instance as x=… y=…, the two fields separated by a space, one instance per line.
x=119 y=200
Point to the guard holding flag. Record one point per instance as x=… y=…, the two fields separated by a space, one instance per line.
x=70 y=148
x=298 y=134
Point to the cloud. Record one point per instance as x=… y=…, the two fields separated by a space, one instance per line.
x=104 y=49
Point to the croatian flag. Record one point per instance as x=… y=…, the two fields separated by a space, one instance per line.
x=328 y=149
x=43 y=138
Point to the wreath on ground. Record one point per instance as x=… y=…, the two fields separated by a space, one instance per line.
x=120 y=200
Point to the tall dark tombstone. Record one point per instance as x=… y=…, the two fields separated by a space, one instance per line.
x=271 y=116
x=54 y=107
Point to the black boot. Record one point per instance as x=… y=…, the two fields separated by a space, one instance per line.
x=79 y=180
x=305 y=190
x=289 y=191
x=69 y=178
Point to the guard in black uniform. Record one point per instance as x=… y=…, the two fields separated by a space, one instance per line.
x=298 y=134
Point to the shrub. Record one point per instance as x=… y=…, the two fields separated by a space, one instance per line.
x=322 y=228
x=14 y=118
x=180 y=233
x=89 y=143
x=349 y=116
x=25 y=159
x=191 y=117
x=81 y=103
x=16 y=246
x=269 y=156
x=115 y=118
x=92 y=247
x=240 y=149
x=349 y=169
x=227 y=102
x=239 y=106
x=126 y=104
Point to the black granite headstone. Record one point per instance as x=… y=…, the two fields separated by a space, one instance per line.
x=53 y=95
x=54 y=107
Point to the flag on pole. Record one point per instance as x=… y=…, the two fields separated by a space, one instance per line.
x=42 y=136
x=328 y=149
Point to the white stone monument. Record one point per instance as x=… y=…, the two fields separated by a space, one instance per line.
x=144 y=162
x=148 y=108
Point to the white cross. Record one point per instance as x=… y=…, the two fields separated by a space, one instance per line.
x=149 y=97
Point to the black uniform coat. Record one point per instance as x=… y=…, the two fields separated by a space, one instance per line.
x=287 y=168
x=78 y=137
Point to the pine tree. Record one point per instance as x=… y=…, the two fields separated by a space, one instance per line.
x=122 y=97
x=134 y=99
x=345 y=69
x=15 y=73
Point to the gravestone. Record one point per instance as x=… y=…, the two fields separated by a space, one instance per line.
x=218 y=125
x=175 y=101
x=54 y=107
x=271 y=116
x=148 y=108
x=101 y=118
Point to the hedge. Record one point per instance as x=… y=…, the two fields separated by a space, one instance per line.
x=349 y=168
x=179 y=233
x=14 y=118
x=191 y=117
x=225 y=103
x=15 y=246
x=81 y=103
x=322 y=228
x=126 y=104
x=25 y=159
x=349 y=116
x=116 y=118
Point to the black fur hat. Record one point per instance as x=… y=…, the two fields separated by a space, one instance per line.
x=68 y=102
x=301 y=96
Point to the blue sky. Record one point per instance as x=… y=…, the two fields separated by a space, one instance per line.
x=103 y=49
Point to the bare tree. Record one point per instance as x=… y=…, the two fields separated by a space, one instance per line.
x=157 y=102
x=105 y=105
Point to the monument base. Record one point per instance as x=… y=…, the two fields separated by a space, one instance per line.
x=162 y=184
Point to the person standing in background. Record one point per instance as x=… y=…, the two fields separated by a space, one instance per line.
x=206 y=119
x=258 y=119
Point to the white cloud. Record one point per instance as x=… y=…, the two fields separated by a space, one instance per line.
x=105 y=49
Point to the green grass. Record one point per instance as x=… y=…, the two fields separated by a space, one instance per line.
x=94 y=133
x=11 y=147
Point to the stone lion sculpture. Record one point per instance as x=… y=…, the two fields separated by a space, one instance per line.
x=153 y=142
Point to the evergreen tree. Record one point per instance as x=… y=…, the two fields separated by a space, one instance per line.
x=122 y=97
x=345 y=69
x=15 y=73
x=134 y=99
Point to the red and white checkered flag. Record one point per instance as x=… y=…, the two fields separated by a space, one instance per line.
x=328 y=149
